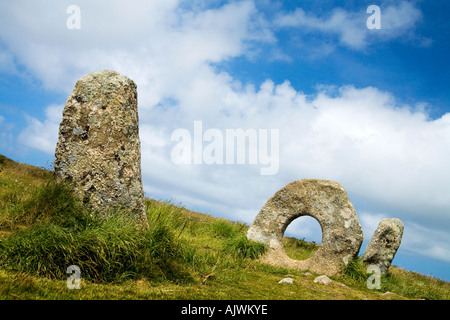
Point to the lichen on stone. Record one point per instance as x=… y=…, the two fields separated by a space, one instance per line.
x=98 y=148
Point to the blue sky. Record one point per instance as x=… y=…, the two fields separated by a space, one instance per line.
x=369 y=109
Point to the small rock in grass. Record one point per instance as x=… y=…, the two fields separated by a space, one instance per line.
x=287 y=280
x=323 y=280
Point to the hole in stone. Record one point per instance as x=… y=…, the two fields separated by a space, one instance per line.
x=302 y=238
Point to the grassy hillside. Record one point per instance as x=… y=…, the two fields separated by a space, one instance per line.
x=183 y=255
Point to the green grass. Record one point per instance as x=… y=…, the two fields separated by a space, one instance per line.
x=182 y=255
x=108 y=249
x=404 y=283
x=299 y=249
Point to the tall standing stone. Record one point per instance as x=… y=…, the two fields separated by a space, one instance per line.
x=384 y=244
x=98 y=150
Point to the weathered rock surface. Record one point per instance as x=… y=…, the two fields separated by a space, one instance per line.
x=384 y=244
x=99 y=148
x=328 y=203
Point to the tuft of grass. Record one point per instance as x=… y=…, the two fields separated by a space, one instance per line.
x=19 y=184
x=56 y=203
x=399 y=281
x=60 y=233
x=356 y=270
x=223 y=229
x=242 y=247
x=415 y=285
x=234 y=240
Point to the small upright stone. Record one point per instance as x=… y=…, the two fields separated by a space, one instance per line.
x=98 y=150
x=384 y=244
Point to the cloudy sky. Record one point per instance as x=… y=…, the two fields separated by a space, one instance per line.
x=325 y=94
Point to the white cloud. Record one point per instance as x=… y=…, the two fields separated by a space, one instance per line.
x=397 y=19
x=153 y=41
x=369 y=223
x=427 y=242
x=42 y=135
